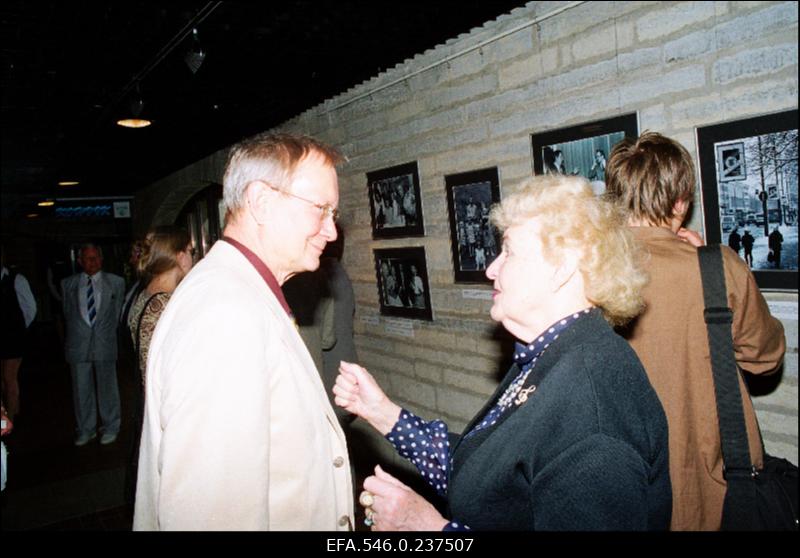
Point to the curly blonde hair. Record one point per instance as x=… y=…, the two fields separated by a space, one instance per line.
x=573 y=218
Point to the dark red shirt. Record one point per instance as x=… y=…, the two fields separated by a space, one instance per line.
x=263 y=270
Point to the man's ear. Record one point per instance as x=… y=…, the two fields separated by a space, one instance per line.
x=256 y=196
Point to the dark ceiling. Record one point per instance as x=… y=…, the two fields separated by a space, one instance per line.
x=69 y=70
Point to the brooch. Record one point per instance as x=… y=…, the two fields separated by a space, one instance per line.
x=522 y=397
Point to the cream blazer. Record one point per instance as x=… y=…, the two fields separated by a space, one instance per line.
x=238 y=431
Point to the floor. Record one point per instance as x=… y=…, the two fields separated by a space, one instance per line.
x=53 y=485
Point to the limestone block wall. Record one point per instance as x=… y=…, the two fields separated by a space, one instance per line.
x=474 y=102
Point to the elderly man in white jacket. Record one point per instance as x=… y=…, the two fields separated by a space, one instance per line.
x=238 y=431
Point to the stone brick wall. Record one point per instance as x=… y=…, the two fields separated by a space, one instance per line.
x=474 y=101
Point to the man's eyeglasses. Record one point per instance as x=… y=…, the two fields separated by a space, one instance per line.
x=326 y=209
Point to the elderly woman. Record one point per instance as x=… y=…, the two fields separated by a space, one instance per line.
x=575 y=437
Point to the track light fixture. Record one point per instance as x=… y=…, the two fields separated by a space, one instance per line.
x=135 y=120
x=194 y=58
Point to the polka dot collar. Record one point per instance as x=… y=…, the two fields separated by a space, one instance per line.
x=524 y=353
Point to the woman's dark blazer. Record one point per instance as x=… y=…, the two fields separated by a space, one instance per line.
x=587 y=451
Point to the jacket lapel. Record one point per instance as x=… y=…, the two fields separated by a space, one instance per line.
x=106 y=304
x=75 y=286
x=482 y=434
x=289 y=336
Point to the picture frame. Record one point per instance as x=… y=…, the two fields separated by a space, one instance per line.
x=475 y=241
x=395 y=202
x=759 y=198
x=403 y=288
x=582 y=150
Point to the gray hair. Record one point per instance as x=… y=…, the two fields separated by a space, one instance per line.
x=269 y=157
x=87 y=245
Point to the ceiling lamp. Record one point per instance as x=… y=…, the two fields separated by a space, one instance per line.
x=68 y=183
x=46 y=203
x=194 y=58
x=135 y=120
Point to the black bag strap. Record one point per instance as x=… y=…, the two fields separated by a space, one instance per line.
x=719 y=317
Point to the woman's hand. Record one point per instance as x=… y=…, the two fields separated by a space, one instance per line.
x=357 y=391
x=396 y=507
x=692 y=237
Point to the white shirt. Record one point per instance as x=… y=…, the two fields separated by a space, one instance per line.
x=24 y=295
x=97 y=285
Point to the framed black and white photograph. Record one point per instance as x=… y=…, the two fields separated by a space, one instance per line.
x=403 y=283
x=582 y=150
x=474 y=240
x=395 y=202
x=748 y=171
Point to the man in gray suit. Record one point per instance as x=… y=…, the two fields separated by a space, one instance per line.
x=92 y=305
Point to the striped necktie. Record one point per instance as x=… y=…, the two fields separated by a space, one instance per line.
x=91 y=310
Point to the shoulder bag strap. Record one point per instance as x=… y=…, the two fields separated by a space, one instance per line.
x=718 y=317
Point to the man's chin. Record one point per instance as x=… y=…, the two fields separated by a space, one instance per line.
x=312 y=263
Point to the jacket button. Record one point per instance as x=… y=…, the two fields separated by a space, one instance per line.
x=338 y=462
x=344 y=521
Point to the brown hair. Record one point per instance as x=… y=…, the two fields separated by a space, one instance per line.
x=648 y=176
x=160 y=252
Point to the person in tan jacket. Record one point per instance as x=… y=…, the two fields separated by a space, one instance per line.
x=653 y=178
x=238 y=431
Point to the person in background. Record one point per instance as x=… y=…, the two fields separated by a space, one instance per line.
x=417 y=288
x=323 y=304
x=135 y=287
x=92 y=305
x=553 y=161
x=653 y=179
x=18 y=312
x=598 y=170
x=747 y=242
x=164 y=259
x=238 y=432
x=735 y=240
x=574 y=438
x=775 y=245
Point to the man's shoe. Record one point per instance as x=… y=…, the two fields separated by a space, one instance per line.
x=84 y=439
x=108 y=439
